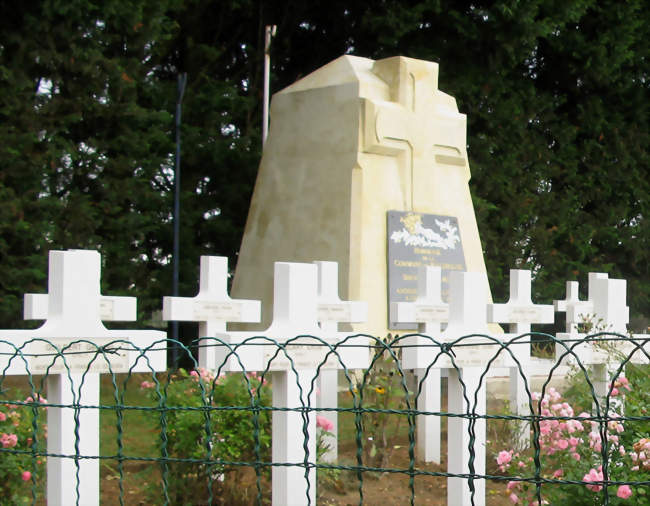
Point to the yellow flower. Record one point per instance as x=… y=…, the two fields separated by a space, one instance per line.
x=380 y=390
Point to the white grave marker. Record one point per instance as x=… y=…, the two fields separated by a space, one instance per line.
x=212 y=307
x=520 y=313
x=608 y=306
x=73 y=313
x=331 y=311
x=468 y=315
x=295 y=313
x=577 y=311
x=428 y=311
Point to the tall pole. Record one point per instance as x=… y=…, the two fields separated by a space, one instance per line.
x=182 y=81
x=270 y=32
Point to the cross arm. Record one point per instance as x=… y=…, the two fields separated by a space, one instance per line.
x=111 y=308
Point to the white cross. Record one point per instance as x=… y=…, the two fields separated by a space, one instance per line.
x=520 y=312
x=73 y=314
x=609 y=297
x=467 y=315
x=332 y=311
x=428 y=311
x=576 y=310
x=295 y=313
x=607 y=303
x=111 y=308
x=212 y=307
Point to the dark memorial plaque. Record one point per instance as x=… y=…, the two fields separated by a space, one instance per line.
x=416 y=239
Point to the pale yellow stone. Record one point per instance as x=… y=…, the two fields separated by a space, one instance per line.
x=347 y=143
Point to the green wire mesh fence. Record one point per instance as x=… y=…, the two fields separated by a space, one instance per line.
x=195 y=436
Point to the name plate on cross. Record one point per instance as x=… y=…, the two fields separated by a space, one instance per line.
x=77 y=356
x=305 y=353
x=226 y=310
x=525 y=314
x=333 y=312
x=418 y=239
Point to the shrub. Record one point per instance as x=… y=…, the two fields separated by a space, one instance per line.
x=217 y=426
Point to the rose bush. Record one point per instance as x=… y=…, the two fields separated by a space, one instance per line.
x=18 y=471
x=571 y=447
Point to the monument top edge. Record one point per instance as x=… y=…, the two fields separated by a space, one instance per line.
x=348 y=69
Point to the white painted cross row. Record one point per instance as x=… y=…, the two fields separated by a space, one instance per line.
x=73 y=309
x=212 y=307
x=428 y=311
x=331 y=311
x=295 y=310
x=520 y=312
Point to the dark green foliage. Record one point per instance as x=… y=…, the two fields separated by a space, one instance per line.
x=83 y=143
x=555 y=93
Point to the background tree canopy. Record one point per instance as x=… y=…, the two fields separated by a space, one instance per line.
x=556 y=95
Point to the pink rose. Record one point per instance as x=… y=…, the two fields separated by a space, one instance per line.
x=593 y=476
x=3 y=417
x=8 y=440
x=504 y=457
x=624 y=491
x=26 y=476
x=513 y=497
x=324 y=423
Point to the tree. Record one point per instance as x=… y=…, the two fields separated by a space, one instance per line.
x=555 y=95
x=85 y=145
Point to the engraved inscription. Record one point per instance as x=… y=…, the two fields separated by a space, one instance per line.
x=431 y=313
x=333 y=312
x=304 y=356
x=226 y=310
x=77 y=356
x=417 y=239
x=525 y=314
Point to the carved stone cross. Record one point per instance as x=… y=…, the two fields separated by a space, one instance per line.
x=417 y=125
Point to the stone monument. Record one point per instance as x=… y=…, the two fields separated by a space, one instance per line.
x=365 y=165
